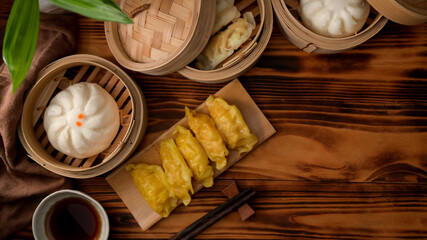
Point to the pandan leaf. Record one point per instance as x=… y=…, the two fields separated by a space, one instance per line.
x=105 y=10
x=20 y=39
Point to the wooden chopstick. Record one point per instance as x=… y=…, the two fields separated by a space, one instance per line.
x=209 y=219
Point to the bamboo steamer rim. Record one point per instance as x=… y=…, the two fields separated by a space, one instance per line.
x=250 y=46
x=310 y=41
x=400 y=11
x=202 y=23
x=237 y=68
x=130 y=141
x=415 y=8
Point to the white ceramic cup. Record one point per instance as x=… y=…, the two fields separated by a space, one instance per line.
x=39 y=216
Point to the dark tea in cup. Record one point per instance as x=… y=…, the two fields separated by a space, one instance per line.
x=73 y=218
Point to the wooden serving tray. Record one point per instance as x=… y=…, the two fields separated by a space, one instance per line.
x=121 y=181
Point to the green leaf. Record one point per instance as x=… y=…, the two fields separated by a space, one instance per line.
x=20 y=39
x=104 y=10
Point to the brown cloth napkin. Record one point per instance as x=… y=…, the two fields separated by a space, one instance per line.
x=24 y=183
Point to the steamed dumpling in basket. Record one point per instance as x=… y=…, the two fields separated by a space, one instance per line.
x=223 y=45
x=225 y=13
x=334 y=18
x=82 y=120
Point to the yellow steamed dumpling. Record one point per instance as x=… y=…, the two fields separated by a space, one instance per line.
x=188 y=155
x=151 y=183
x=231 y=124
x=177 y=172
x=194 y=155
x=208 y=136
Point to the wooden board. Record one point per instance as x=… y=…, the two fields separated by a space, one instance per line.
x=122 y=183
x=378 y=90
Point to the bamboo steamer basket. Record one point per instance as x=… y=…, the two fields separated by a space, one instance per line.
x=294 y=30
x=243 y=59
x=406 y=12
x=58 y=76
x=136 y=46
x=409 y=12
x=166 y=34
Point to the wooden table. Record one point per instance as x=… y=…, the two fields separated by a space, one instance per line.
x=348 y=161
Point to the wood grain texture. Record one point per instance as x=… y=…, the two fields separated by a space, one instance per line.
x=121 y=181
x=349 y=158
x=245 y=211
x=284 y=210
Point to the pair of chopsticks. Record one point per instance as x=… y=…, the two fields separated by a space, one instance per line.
x=209 y=219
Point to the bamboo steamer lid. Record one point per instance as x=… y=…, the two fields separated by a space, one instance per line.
x=243 y=59
x=58 y=76
x=131 y=44
x=166 y=34
x=305 y=39
x=406 y=12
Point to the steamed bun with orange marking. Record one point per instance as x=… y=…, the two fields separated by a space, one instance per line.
x=82 y=120
x=334 y=18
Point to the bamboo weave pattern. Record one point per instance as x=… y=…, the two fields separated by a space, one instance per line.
x=158 y=31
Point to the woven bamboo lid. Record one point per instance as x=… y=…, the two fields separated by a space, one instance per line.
x=56 y=77
x=406 y=12
x=166 y=34
x=305 y=39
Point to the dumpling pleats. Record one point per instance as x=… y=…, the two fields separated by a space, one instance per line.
x=151 y=183
x=231 y=125
x=222 y=45
x=225 y=13
x=194 y=155
x=208 y=136
x=177 y=172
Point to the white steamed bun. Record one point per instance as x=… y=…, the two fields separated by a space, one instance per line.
x=334 y=18
x=82 y=120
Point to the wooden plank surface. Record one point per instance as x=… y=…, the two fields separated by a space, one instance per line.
x=348 y=161
x=122 y=183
